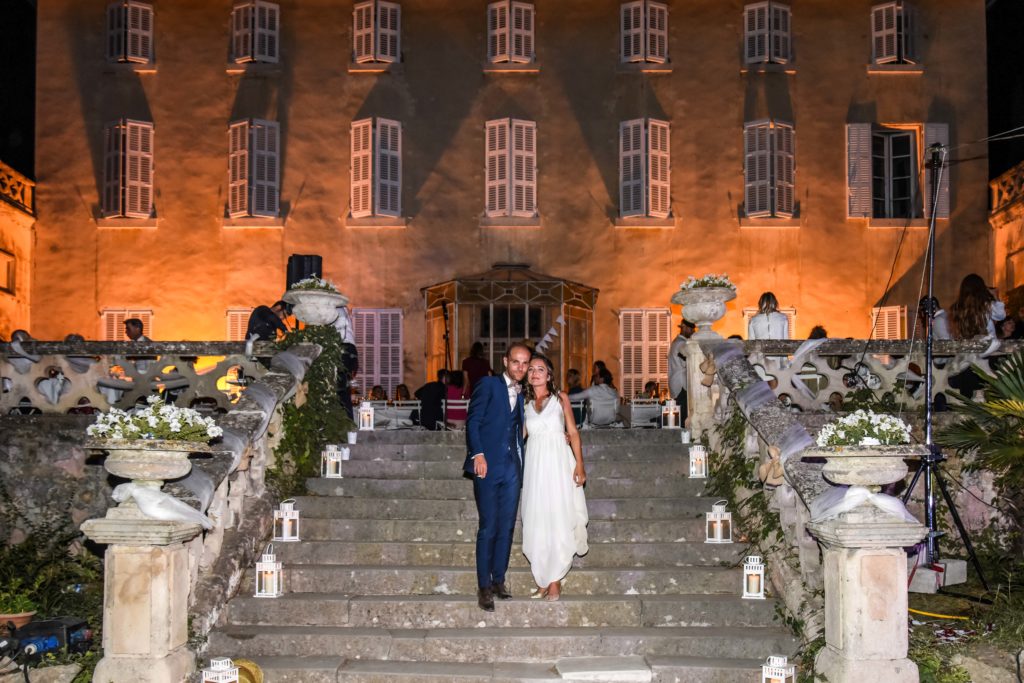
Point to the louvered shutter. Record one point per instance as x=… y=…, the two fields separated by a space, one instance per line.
x=888 y=322
x=657 y=32
x=631 y=27
x=113 y=169
x=237 y=323
x=138 y=175
x=241 y=32
x=790 y=314
x=496 y=168
x=780 y=33
x=362 y=32
x=659 y=169
x=264 y=180
x=884 y=33
x=389 y=168
x=389 y=354
x=115 y=31
x=267 y=24
x=140 y=32
x=497 y=32
x=755 y=33
x=364 y=327
x=657 y=327
x=632 y=144
x=238 y=169
x=631 y=351
x=362 y=168
x=389 y=32
x=522 y=33
x=784 y=138
x=936 y=133
x=908 y=34
x=858 y=170
x=756 y=170
x=524 y=168
x=112 y=323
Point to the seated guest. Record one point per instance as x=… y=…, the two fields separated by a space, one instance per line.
x=402 y=393
x=650 y=390
x=377 y=393
x=431 y=396
x=603 y=398
x=456 y=392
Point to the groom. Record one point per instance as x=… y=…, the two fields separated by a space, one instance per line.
x=494 y=458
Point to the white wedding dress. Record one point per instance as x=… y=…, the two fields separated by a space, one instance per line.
x=554 y=509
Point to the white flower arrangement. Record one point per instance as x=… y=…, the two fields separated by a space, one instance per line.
x=865 y=428
x=315 y=283
x=709 y=280
x=156 y=420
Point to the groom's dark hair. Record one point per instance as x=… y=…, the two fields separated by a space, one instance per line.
x=517 y=345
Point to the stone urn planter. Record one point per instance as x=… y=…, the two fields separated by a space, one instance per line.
x=315 y=306
x=868 y=466
x=704 y=306
x=148 y=462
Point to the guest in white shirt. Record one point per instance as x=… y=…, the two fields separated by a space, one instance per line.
x=768 y=323
x=940 y=321
x=977 y=310
x=604 y=399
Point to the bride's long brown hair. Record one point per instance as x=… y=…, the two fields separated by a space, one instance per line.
x=552 y=389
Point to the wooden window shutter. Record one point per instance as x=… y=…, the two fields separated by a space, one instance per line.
x=389 y=356
x=139 y=24
x=237 y=323
x=265 y=168
x=781 y=34
x=888 y=322
x=936 y=133
x=389 y=32
x=657 y=32
x=496 y=172
x=524 y=168
x=784 y=168
x=364 y=328
x=112 y=323
x=858 y=170
x=756 y=158
x=631 y=351
x=522 y=26
x=363 y=32
x=884 y=35
x=138 y=169
x=361 y=193
x=389 y=168
x=631 y=27
x=908 y=35
x=632 y=145
x=657 y=327
x=113 y=169
x=238 y=169
x=267 y=23
x=659 y=166
x=115 y=31
x=497 y=32
x=241 y=32
x=755 y=33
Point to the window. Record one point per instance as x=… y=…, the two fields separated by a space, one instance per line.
x=889 y=322
x=510 y=32
x=237 y=323
x=511 y=159
x=253 y=168
x=884 y=171
x=643 y=30
x=892 y=34
x=255 y=32
x=378 y=333
x=112 y=323
x=130 y=32
x=7 y=272
x=645 y=170
x=376 y=32
x=769 y=169
x=790 y=314
x=766 y=33
x=127 y=169
x=376 y=168
x=644 y=339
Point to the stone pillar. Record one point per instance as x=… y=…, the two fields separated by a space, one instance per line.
x=865 y=572
x=700 y=404
x=145 y=597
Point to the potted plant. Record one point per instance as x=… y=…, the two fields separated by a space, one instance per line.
x=16 y=607
x=703 y=300
x=865 y=448
x=315 y=301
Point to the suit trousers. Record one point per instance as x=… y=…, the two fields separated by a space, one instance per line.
x=497 y=502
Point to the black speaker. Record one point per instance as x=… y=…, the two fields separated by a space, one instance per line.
x=301 y=266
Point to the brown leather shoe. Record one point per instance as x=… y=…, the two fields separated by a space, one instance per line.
x=500 y=591
x=485 y=598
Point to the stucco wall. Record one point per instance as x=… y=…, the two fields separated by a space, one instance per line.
x=16 y=242
x=190 y=269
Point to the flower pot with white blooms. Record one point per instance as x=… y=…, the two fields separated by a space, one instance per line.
x=315 y=301
x=703 y=300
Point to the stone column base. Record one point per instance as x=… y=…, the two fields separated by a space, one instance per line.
x=836 y=669
x=176 y=667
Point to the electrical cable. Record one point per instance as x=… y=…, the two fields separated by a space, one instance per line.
x=938 y=616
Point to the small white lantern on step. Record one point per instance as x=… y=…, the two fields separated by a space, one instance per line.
x=778 y=670
x=753 y=578
x=330 y=461
x=698 y=462
x=221 y=670
x=366 y=416
x=670 y=415
x=286 y=522
x=269 y=577
x=719 y=524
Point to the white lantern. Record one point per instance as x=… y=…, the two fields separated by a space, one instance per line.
x=286 y=522
x=698 y=462
x=330 y=461
x=365 y=416
x=719 y=524
x=753 y=578
x=670 y=415
x=269 y=577
x=778 y=670
x=221 y=670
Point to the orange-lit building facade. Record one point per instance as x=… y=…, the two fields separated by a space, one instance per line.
x=185 y=149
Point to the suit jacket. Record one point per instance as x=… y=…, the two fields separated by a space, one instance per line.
x=491 y=427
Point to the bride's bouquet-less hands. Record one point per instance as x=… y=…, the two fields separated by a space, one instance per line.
x=865 y=428
x=707 y=281
x=156 y=420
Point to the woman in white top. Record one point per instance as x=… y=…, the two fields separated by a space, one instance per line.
x=768 y=323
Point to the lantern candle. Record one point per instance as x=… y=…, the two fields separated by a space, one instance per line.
x=778 y=670
x=330 y=461
x=365 y=416
x=286 y=522
x=698 y=462
x=753 y=578
x=221 y=670
x=269 y=578
x=719 y=524
x=670 y=415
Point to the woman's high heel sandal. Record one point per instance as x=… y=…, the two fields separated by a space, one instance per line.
x=539 y=593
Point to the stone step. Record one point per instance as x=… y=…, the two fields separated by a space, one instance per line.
x=445 y=580
x=464 y=554
x=437 y=469
x=430 y=531
x=490 y=645
x=457 y=452
x=461 y=611
x=591 y=437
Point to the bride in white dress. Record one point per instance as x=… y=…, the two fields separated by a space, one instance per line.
x=554 y=508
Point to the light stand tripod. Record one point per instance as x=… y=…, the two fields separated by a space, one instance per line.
x=931 y=463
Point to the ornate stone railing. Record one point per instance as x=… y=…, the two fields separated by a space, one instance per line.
x=62 y=377
x=17 y=189
x=1008 y=191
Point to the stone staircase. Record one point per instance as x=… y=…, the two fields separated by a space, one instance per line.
x=382 y=587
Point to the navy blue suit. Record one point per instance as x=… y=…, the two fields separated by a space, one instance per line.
x=494 y=429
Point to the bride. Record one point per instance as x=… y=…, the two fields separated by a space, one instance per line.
x=554 y=509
